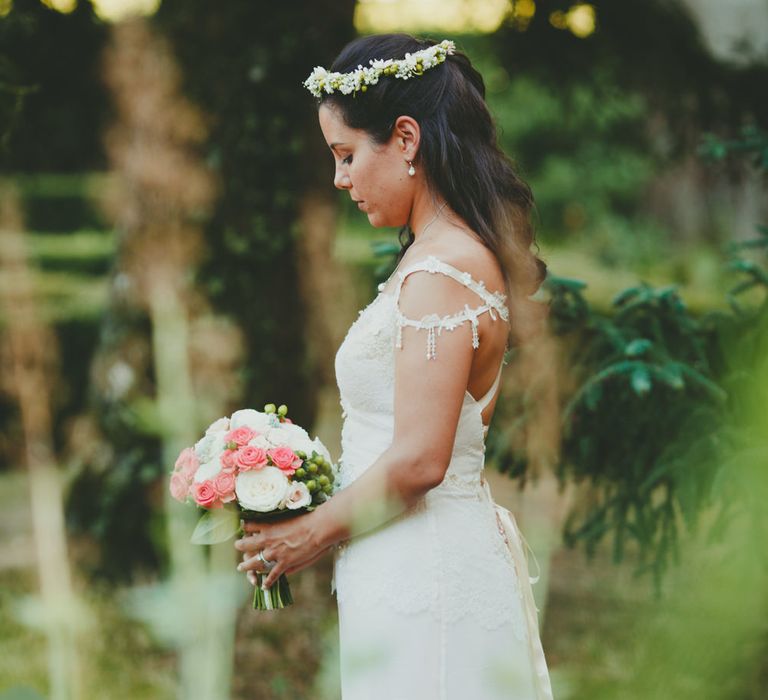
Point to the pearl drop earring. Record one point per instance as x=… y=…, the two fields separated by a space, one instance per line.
x=411 y=169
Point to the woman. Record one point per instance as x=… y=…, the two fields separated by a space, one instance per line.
x=431 y=582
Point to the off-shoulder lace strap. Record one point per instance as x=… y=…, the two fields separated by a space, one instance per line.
x=494 y=303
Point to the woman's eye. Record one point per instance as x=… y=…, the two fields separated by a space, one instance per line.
x=347 y=160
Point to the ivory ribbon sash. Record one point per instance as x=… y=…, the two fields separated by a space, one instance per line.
x=516 y=542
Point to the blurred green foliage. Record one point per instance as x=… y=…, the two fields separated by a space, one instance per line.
x=244 y=67
x=654 y=425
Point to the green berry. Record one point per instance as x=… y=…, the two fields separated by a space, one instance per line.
x=301 y=454
x=312 y=485
x=312 y=468
x=328 y=489
x=300 y=473
x=282 y=410
x=269 y=408
x=323 y=480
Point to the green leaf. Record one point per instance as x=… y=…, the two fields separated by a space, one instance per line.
x=672 y=375
x=638 y=346
x=215 y=526
x=641 y=381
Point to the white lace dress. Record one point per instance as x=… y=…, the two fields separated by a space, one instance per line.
x=436 y=604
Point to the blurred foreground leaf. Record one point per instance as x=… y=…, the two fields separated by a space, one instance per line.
x=218 y=525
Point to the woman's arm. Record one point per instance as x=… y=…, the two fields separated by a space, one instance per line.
x=428 y=397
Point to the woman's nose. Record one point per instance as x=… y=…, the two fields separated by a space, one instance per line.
x=341 y=180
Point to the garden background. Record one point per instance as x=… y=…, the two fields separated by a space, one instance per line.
x=172 y=248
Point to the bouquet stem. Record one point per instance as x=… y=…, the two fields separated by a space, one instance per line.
x=277 y=597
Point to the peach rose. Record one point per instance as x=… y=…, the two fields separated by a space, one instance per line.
x=187 y=463
x=179 y=486
x=285 y=459
x=224 y=485
x=240 y=436
x=205 y=494
x=250 y=457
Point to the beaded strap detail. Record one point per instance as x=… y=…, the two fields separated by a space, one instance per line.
x=434 y=323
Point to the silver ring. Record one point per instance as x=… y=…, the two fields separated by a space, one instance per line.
x=269 y=564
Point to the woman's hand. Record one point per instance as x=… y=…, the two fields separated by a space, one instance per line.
x=289 y=543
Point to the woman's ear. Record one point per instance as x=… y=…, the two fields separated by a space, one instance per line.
x=407 y=135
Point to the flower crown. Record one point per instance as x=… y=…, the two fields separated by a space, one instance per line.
x=414 y=64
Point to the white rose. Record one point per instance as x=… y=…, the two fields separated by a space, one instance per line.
x=218 y=426
x=208 y=470
x=297 y=433
x=298 y=496
x=292 y=436
x=210 y=447
x=279 y=436
x=255 y=420
x=262 y=490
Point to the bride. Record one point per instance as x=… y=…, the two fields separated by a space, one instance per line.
x=430 y=574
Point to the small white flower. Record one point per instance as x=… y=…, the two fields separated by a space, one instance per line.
x=297 y=496
x=410 y=66
x=262 y=490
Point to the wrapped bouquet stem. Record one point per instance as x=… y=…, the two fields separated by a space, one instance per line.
x=255 y=466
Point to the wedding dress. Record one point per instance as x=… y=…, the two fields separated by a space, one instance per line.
x=436 y=604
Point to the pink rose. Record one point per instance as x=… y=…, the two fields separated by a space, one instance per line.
x=224 y=485
x=287 y=420
x=205 y=494
x=179 y=486
x=250 y=457
x=187 y=463
x=240 y=436
x=285 y=459
x=228 y=460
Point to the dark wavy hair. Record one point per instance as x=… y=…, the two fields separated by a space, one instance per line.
x=458 y=152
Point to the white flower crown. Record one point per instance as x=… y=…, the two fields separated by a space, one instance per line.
x=320 y=80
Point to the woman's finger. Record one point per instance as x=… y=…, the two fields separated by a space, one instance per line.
x=273 y=576
x=252 y=563
x=250 y=543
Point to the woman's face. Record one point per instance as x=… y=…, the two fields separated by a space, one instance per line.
x=376 y=176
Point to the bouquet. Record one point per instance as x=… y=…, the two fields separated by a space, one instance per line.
x=254 y=466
